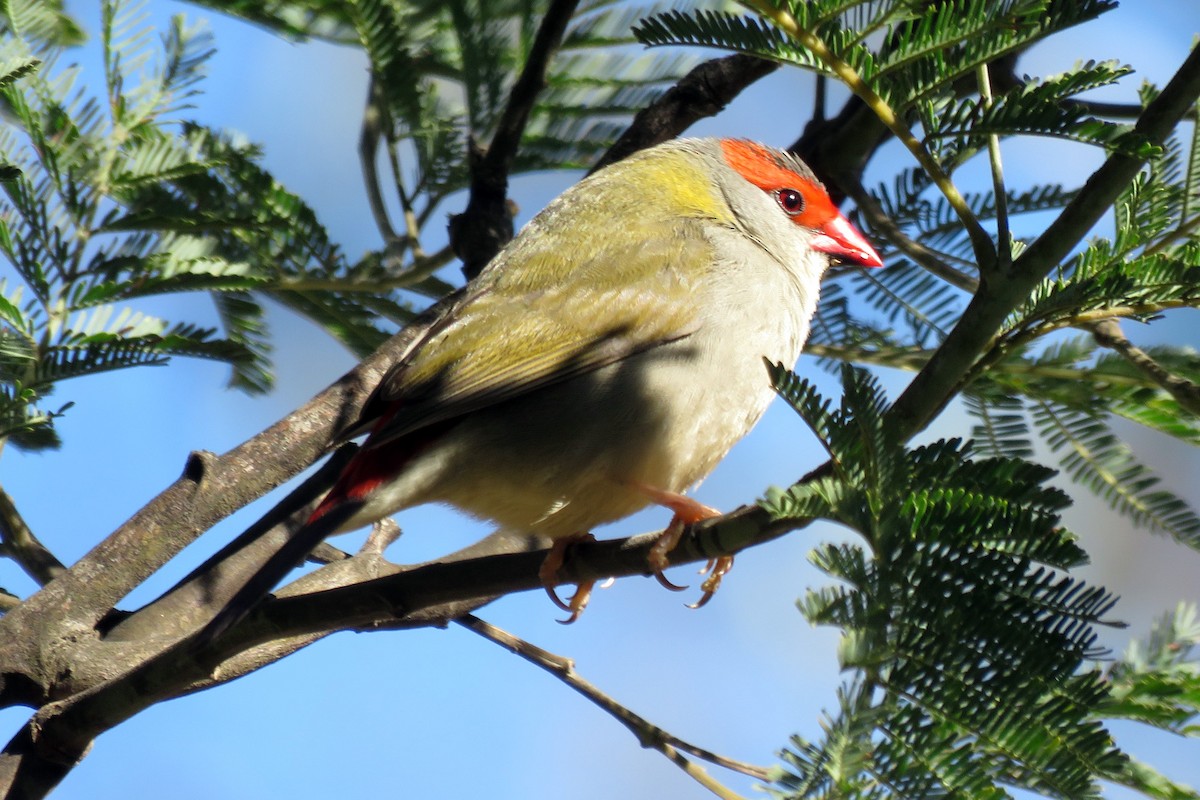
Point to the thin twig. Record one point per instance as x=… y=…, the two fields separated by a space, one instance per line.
x=1004 y=253
x=926 y=257
x=412 y=228
x=648 y=735
x=18 y=543
x=413 y=273
x=368 y=146
x=1108 y=334
x=1115 y=110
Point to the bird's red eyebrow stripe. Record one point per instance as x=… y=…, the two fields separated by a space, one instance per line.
x=759 y=166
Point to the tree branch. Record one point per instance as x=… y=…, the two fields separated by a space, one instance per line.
x=18 y=543
x=648 y=735
x=210 y=489
x=485 y=226
x=937 y=383
x=8 y=601
x=60 y=733
x=195 y=599
x=1108 y=334
x=703 y=92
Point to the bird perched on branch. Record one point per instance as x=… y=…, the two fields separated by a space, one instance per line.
x=606 y=359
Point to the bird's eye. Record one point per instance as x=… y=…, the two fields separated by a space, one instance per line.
x=790 y=200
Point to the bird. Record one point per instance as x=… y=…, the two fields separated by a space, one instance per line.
x=605 y=360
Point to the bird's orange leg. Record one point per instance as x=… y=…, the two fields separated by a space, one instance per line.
x=686 y=511
x=549 y=577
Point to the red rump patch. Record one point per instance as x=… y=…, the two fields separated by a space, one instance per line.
x=372 y=466
x=763 y=168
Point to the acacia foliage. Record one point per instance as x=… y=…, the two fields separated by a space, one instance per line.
x=968 y=644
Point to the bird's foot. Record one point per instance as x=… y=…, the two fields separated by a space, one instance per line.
x=549 y=577
x=716 y=568
x=661 y=548
x=686 y=511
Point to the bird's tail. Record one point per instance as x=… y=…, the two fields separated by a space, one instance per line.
x=282 y=561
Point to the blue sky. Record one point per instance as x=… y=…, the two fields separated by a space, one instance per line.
x=441 y=713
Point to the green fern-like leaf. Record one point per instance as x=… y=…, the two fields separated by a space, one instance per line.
x=15 y=62
x=1003 y=429
x=155 y=159
x=1040 y=108
x=242 y=318
x=1143 y=778
x=925 y=47
x=1190 y=205
x=956 y=607
x=928 y=305
x=103 y=341
x=106 y=203
x=725 y=31
x=1157 y=681
x=44 y=22
x=1093 y=455
x=22 y=422
x=294 y=19
x=1103 y=277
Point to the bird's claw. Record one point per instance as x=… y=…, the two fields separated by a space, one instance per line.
x=558 y=601
x=577 y=603
x=687 y=511
x=548 y=573
x=666 y=583
x=716 y=569
x=658 y=558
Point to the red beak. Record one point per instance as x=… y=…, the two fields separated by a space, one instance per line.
x=842 y=240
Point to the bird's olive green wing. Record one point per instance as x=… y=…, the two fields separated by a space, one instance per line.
x=519 y=330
